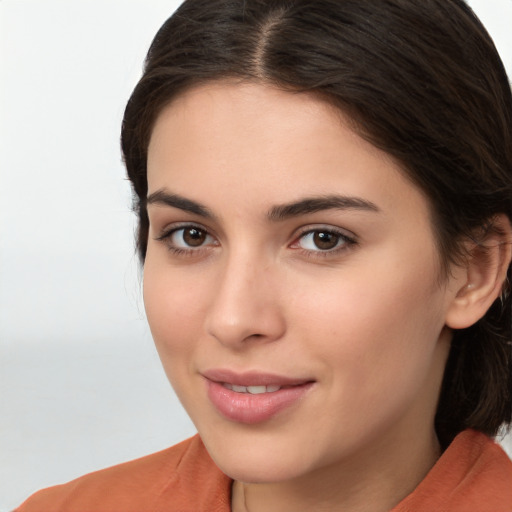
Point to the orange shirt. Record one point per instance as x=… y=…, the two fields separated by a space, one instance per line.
x=473 y=475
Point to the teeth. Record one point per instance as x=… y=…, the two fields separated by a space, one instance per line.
x=253 y=390
x=257 y=390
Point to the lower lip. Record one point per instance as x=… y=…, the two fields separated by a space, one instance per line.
x=250 y=409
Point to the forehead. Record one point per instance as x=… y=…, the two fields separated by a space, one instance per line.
x=259 y=144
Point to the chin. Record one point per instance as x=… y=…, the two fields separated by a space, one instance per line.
x=258 y=472
x=254 y=458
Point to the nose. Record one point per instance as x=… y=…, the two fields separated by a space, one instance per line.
x=245 y=308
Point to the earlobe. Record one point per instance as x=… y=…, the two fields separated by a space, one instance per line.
x=486 y=269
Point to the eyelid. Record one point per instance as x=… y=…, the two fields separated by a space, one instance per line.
x=166 y=235
x=175 y=226
x=348 y=238
x=311 y=228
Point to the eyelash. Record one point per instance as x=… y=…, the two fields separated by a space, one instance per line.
x=167 y=234
x=346 y=241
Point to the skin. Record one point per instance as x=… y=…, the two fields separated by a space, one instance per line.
x=366 y=321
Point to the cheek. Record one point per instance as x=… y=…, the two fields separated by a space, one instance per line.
x=174 y=311
x=377 y=345
x=376 y=326
x=174 y=308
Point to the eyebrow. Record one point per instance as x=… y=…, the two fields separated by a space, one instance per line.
x=164 y=198
x=276 y=213
x=317 y=204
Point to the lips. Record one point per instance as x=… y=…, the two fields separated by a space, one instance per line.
x=252 y=378
x=253 y=397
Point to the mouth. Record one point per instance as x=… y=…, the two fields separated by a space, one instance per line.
x=254 y=397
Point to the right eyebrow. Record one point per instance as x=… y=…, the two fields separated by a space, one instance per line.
x=164 y=198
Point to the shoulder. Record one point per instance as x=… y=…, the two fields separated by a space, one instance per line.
x=165 y=481
x=474 y=473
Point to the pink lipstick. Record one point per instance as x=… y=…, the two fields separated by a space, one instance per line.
x=253 y=397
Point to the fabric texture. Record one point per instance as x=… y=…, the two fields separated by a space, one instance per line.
x=473 y=475
x=182 y=478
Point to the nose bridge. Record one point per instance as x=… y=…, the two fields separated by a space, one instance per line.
x=245 y=306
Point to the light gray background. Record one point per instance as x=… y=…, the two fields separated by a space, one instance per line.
x=81 y=386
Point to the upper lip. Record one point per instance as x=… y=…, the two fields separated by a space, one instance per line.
x=251 y=378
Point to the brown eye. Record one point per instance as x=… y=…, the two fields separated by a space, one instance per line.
x=194 y=237
x=324 y=240
x=189 y=237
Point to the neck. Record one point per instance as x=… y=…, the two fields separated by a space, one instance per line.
x=375 y=481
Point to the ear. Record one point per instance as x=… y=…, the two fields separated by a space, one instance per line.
x=484 y=274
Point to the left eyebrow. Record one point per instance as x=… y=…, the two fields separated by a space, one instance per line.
x=317 y=204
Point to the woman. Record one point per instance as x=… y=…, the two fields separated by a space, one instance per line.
x=324 y=200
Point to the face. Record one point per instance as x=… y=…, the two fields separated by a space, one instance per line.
x=292 y=283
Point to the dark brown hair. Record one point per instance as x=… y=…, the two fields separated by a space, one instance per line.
x=421 y=79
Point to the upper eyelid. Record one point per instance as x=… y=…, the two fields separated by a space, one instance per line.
x=324 y=227
x=298 y=233
x=166 y=235
x=171 y=228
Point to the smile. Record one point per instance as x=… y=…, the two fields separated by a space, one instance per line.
x=253 y=397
